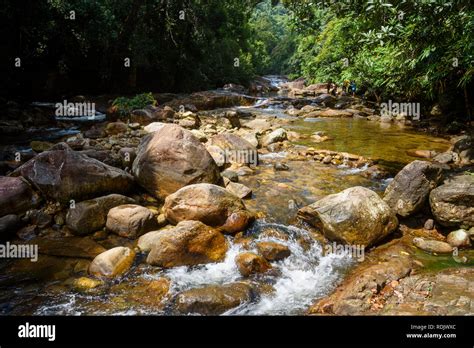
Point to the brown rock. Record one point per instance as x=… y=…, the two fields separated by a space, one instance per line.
x=16 y=196
x=130 y=220
x=113 y=262
x=250 y=263
x=273 y=251
x=189 y=243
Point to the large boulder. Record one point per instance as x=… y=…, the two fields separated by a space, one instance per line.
x=16 y=196
x=171 y=158
x=410 y=188
x=189 y=243
x=89 y=216
x=113 y=262
x=130 y=220
x=210 y=204
x=213 y=299
x=452 y=203
x=356 y=215
x=63 y=175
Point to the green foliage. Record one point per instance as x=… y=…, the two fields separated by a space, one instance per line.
x=124 y=105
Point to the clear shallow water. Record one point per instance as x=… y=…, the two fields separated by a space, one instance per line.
x=297 y=281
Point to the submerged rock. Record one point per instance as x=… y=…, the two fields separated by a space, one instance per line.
x=130 y=220
x=113 y=262
x=354 y=216
x=409 y=190
x=64 y=175
x=189 y=243
x=170 y=159
x=210 y=204
x=238 y=190
x=250 y=263
x=213 y=299
x=452 y=203
x=89 y=216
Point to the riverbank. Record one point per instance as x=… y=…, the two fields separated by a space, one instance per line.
x=111 y=208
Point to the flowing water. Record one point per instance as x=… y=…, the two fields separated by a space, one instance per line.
x=296 y=281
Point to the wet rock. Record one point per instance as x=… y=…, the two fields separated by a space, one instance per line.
x=189 y=243
x=85 y=284
x=63 y=175
x=210 y=204
x=276 y=136
x=250 y=263
x=68 y=246
x=16 y=196
x=432 y=246
x=238 y=190
x=452 y=203
x=273 y=251
x=408 y=191
x=130 y=220
x=213 y=299
x=172 y=158
x=113 y=262
x=89 y=216
x=8 y=225
x=354 y=216
x=459 y=239
x=463 y=147
x=114 y=128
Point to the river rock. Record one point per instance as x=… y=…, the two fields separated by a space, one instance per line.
x=421 y=153
x=409 y=190
x=171 y=158
x=68 y=246
x=114 y=128
x=273 y=251
x=147 y=241
x=189 y=243
x=452 y=203
x=89 y=216
x=444 y=158
x=238 y=190
x=63 y=175
x=130 y=220
x=113 y=262
x=249 y=263
x=329 y=113
x=210 y=204
x=154 y=127
x=356 y=215
x=459 y=238
x=40 y=146
x=433 y=246
x=274 y=137
x=213 y=299
x=236 y=149
x=16 y=196
x=8 y=225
